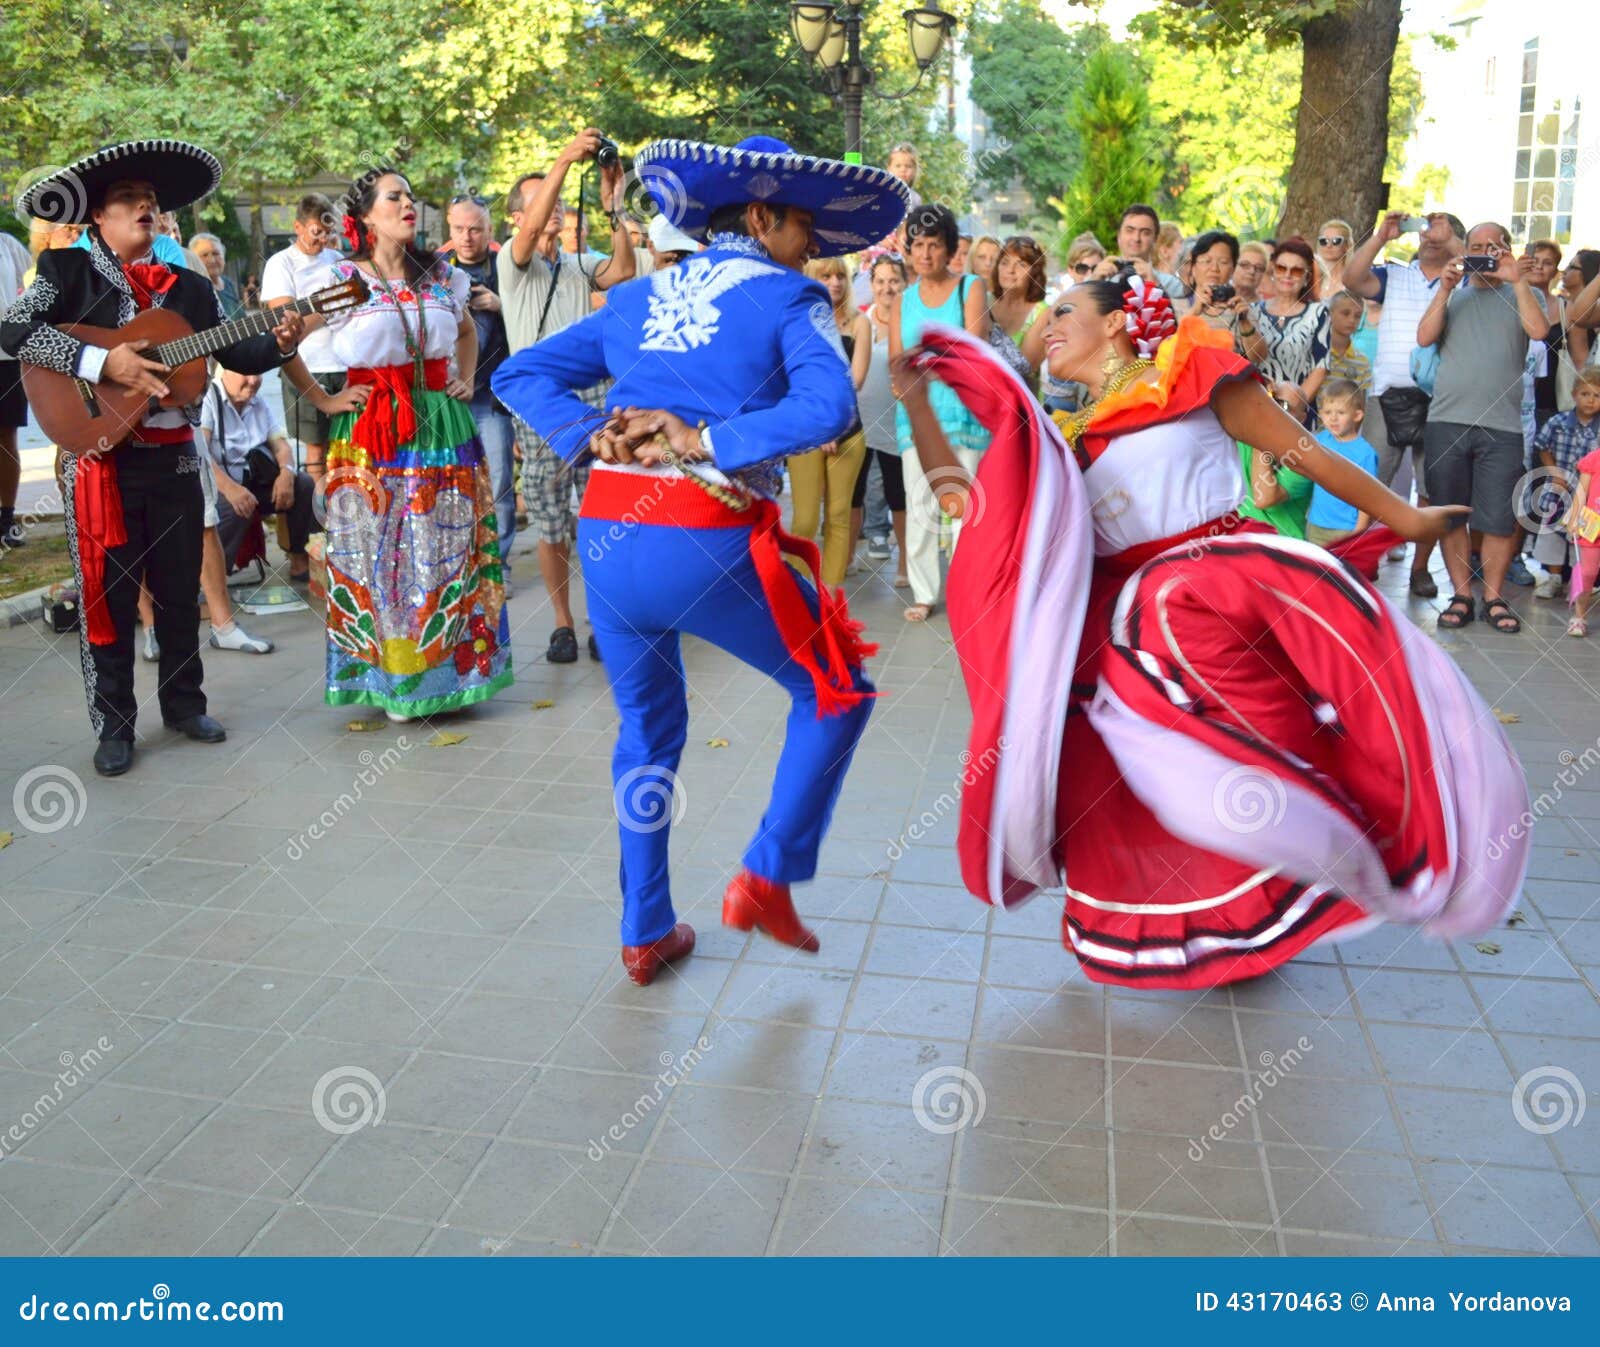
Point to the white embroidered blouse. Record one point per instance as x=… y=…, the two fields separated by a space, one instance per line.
x=371 y=334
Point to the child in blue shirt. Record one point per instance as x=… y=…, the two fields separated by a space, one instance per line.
x=1341 y=407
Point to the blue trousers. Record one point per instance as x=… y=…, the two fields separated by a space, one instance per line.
x=646 y=584
x=495 y=431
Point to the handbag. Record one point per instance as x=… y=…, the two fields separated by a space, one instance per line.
x=1405 y=413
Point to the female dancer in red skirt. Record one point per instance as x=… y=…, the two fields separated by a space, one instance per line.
x=1225 y=743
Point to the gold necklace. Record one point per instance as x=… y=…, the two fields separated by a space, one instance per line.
x=1072 y=427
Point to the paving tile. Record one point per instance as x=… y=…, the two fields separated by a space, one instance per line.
x=764 y=1056
x=684 y=1210
x=199 y=1059
x=1421 y=1055
x=789 y=994
x=1209 y=1179
x=1454 y=1125
x=846 y=1220
x=560 y=972
x=1007 y=1230
x=1051 y=1087
x=1531 y=1210
x=611 y=1038
x=381 y=1013
x=251 y=1151
x=265 y=999
x=1531 y=1006
x=599 y=1112
x=859 y=1142
x=1172 y=1031
x=534 y=1192
x=309 y=1231
x=1040 y=964
x=1339 y=1115
x=1374 y=1195
x=1020 y=1161
x=154 y=1219
x=460 y=1094
x=923 y=1006
x=396 y=1171
x=909 y=952
x=734 y=1129
x=114 y=1127
x=1416 y=998
x=1305 y=1045
x=43 y=1208
x=1145 y=1237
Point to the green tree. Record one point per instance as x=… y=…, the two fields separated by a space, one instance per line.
x=1347 y=50
x=1026 y=71
x=1120 y=162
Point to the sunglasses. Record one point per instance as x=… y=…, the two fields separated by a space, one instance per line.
x=1330 y=240
x=1290 y=272
x=1083 y=268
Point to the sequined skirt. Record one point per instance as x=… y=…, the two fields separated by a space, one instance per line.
x=416 y=604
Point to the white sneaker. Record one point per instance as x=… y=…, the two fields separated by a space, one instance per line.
x=399 y=719
x=152 y=651
x=237 y=638
x=1548 y=588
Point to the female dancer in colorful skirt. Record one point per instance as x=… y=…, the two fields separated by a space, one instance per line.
x=416 y=610
x=1225 y=742
x=724 y=364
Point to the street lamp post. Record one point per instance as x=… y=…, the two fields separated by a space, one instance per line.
x=829 y=36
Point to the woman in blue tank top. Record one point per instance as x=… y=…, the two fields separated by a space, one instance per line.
x=937 y=295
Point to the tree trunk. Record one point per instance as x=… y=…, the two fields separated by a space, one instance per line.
x=1342 y=128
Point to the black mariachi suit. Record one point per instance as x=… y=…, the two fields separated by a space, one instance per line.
x=162 y=503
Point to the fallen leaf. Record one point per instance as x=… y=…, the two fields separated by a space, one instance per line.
x=362 y=726
x=1487 y=947
x=1507 y=717
x=1517 y=918
x=543 y=705
x=446 y=739
x=716 y=743
x=6 y=840
x=1574 y=853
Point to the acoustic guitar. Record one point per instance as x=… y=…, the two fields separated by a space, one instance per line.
x=86 y=418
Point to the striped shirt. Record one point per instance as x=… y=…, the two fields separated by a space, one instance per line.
x=1405 y=296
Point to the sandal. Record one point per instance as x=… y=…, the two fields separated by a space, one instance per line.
x=918 y=612
x=902 y=582
x=1577 y=627
x=1457 y=613
x=1423 y=585
x=1497 y=613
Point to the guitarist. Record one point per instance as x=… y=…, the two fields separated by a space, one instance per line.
x=132 y=512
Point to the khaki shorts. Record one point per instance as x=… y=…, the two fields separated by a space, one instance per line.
x=301 y=420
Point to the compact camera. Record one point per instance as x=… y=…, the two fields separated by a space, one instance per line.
x=1222 y=294
x=607 y=154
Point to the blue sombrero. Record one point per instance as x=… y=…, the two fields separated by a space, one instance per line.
x=852 y=206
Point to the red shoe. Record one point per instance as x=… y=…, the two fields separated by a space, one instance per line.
x=755 y=903
x=643 y=962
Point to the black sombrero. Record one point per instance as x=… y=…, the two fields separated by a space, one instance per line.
x=180 y=172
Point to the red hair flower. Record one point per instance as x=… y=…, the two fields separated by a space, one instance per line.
x=352 y=233
x=478 y=650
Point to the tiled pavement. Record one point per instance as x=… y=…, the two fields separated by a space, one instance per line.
x=218 y=973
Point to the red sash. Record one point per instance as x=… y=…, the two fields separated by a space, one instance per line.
x=390 y=417
x=828 y=646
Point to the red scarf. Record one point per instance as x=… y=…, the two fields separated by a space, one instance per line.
x=96 y=499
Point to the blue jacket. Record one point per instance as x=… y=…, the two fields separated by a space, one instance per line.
x=727 y=337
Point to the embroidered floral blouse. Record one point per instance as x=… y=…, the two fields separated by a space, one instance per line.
x=371 y=335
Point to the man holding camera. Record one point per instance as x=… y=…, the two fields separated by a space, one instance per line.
x=544 y=291
x=1473 y=449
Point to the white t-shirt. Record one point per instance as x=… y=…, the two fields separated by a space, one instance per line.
x=14 y=264
x=523 y=291
x=296 y=274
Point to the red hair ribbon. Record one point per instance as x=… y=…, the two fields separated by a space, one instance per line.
x=1150 y=317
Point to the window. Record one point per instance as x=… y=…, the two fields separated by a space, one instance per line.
x=1547 y=157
